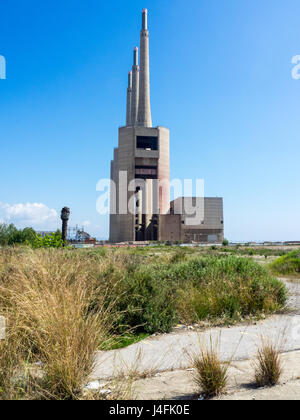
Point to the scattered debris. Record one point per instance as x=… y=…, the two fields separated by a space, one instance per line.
x=105 y=391
x=92 y=386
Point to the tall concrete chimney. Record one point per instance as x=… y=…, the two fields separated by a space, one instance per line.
x=129 y=97
x=144 y=112
x=135 y=87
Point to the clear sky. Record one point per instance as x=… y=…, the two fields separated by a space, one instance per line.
x=220 y=80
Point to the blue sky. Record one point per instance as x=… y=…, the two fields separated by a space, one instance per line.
x=220 y=80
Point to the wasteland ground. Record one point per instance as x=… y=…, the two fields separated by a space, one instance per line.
x=110 y=323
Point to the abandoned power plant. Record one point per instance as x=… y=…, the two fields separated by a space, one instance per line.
x=141 y=166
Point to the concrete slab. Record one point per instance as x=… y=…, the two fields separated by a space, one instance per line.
x=180 y=384
x=171 y=351
x=284 y=392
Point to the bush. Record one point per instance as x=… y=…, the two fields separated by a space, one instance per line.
x=228 y=287
x=54 y=240
x=10 y=235
x=225 y=242
x=153 y=297
x=287 y=264
x=143 y=301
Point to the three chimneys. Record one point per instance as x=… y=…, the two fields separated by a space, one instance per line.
x=138 y=91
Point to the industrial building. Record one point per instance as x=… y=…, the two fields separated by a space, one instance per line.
x=140 y=174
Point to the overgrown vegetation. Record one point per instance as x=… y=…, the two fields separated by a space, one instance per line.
x=287 y=264
x=62 y=305
x=152 y=297
x=254 y=251
x=227 y=288
x=45 y=297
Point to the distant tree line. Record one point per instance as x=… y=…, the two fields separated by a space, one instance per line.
x=10 y=236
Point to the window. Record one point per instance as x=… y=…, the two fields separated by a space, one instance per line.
x=146 y=172
x=147 y=143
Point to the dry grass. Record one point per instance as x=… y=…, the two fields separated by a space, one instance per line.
x=46 y=301
x=268 y=364
x=210 y=372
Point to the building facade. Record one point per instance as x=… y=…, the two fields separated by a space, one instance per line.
x=194 y=220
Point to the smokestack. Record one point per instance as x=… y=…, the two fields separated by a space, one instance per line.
x=135 y=87
x=129 y=98
x=144 y=111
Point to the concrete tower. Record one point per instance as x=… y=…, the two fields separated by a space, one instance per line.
x=129 y=98
x=144 y=110
x=135 y=87
x=140 y=167
x=140 y=170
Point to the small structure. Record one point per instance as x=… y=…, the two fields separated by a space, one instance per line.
x=65 y=215
x=77 y=235
x=85 y=237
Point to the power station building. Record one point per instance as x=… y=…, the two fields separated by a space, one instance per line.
x=140 y=208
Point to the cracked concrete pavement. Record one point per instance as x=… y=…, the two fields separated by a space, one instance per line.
x=169 y=353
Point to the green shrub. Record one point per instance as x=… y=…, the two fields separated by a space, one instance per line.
x=10 y=235
x=287 y=264
x=227 y=287
x=152 y=298
x=145 y=302
x=225 y=242
x=54 y=240
x=179 y=255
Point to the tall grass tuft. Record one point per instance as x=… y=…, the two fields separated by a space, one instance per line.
x=47 y=304
x=268 y=365
x=210 y=372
